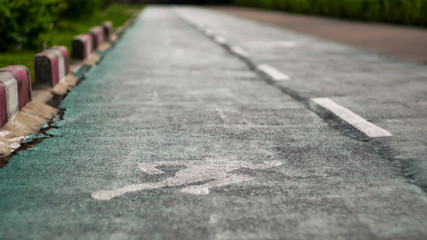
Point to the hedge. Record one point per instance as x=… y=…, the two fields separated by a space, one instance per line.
x=23 y=22
x=82 y=8
x=27 y=23
x=411 y=12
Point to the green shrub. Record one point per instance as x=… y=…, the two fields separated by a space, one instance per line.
x=82 y=8
x=24 y=23
x=27 y=23
x=413 y=12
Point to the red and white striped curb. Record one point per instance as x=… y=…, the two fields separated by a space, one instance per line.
x=82 y=46
x=66 y=56
x=19 y=117
x=97 y=35
x=61 y=63
x=52 y=66
x=46 y=68
x=22 y=76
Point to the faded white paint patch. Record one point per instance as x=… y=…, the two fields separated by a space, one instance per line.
x=4 y=133
x=239 y=52
x=150 y=169
x=13 y=145
x=370 y=129
x=221 y=114
x=272 y=72
x=218 y=172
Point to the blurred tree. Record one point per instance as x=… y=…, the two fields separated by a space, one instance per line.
x=24 y=23
x=82 y=8
x=27 y=23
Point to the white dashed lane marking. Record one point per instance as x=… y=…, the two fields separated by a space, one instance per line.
x=239 y=52
x=271 y=72
x=370 y=129
x=220 y=40
x=209 y=32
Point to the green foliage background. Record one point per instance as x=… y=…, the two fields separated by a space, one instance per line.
x=411 y=12
x=24 y=23
x=28 y=23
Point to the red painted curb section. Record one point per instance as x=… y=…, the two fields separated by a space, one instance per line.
x=66 y=57
x=22 y=76
x=81 y=47
x=97 y=36
x=61 y=63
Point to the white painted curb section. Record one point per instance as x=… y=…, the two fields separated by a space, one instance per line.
x=61 y=64
x=370 y=129
x=273 y=73
x=12 y=100
x=89 y=48
x=239 y=52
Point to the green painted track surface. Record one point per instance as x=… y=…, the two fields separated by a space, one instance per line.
x=167 y=93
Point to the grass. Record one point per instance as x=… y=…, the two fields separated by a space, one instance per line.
x=66 y=29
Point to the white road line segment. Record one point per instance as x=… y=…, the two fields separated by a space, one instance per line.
x=220 y=40
x=370 y=129
x=239 y=52
x=209 y=32
x=273 y=73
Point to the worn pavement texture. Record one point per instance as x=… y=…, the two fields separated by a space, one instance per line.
x=386 y=91
x=195 y=145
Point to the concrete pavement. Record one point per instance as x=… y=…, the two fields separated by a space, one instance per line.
x=172 y=137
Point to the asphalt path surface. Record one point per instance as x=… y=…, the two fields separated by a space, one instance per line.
x=406 y=42
x=384 y=90
x=173 y=137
